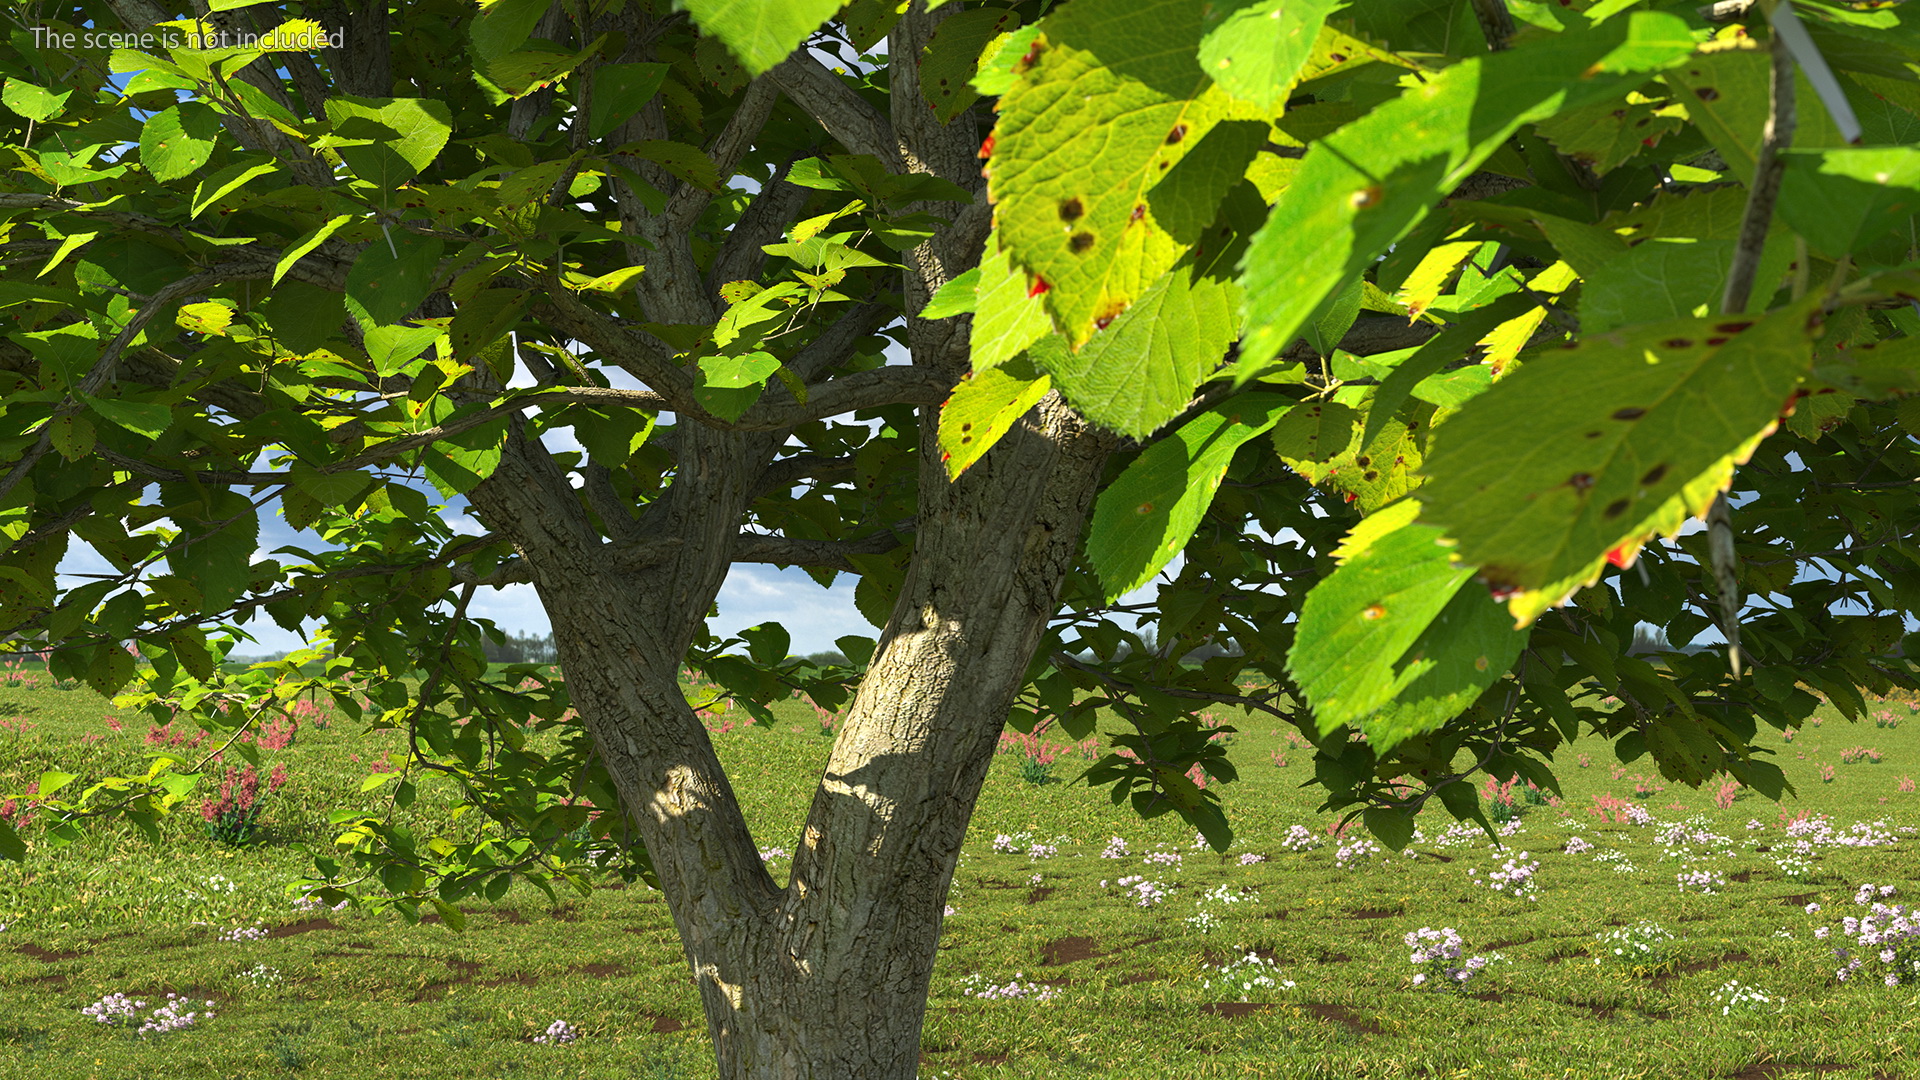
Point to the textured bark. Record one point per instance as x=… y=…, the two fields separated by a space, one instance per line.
x=828 y=976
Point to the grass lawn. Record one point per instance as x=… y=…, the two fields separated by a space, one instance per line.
x=1063 y=957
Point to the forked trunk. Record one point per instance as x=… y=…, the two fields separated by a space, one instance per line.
x=829 y=976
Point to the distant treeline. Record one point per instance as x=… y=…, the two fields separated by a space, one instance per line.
x=521 y=649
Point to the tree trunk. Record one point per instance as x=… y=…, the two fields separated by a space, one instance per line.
x=828 y=977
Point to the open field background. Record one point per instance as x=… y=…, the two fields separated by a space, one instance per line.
x=1050 y=966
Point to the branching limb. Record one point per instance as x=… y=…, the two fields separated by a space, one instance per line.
x=788 y=471
x=726 y=150
x=828 y=554
x=846 y=115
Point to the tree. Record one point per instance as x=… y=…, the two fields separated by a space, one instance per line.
x=1270 y=286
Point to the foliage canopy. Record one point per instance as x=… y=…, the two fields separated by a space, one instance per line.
x=1307 y=272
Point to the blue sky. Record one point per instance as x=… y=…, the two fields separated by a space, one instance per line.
x=752 y=594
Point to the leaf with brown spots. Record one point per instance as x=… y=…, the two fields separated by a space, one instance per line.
x=1672 y=421
x=1398 y=640
x=986 y=405
x=1111 y=105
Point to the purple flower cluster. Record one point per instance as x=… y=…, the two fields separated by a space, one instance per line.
x=1355 y=850
x=1116 y=849
x=119 y=1010
x=1578 y=845
x=1704 y=880
x=1162 y=858
x=1889 y=933
x=1248 y=859
x=1300 y=838
x=1042 y=851
x=1638 y=814
x=244 y=933
x=557 y=1033
x=1145 y=893
x=1515 y=878
x=1438 y=954
x=1015 y=989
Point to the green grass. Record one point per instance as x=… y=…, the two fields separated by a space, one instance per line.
x=365 y=995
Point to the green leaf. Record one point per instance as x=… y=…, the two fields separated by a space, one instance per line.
x=767 y=643
x=1187 y=199
x=112 y=668
x=1391 y=827
x=486 y=318
x=1363 y=187
x=1841 y=201
x=858 y=650
x=1674 y=259
x=454 y=466
x=1538 y=484
x=177 y=140
x=1389 y=642
x=985 y=407
x=204 y=318
x=503 y=26
x=306 y=244
x=391 y=281
x=189 y=646
x=995 y=74
x=956 y=297
x=304 y=317
x=389 y=348
x=1726 y=96
x=1606 y=134
x=213 y=552
x=69 y=244
x=227 y=180
x=146 y=418
x=1008 y=316
x=1146 y=517
x=1318 y=431
x=733 y=383
x=1113 y=99
x=53 y=780
x=73 y=436
x=1254 y=48
x=689 y=164
x=619 y=91
x=761 y=34
x=452 y=917
x=404 y=136
x=952 y=57
x=36 y=103
x=1140 y=373
x=12 y=848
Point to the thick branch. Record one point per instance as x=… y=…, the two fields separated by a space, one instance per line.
x=789 y=471
x=726 y=150
x=845 y=114
x=1776 y=136
x=828 y=554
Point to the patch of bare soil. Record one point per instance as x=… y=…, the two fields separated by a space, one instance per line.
x=1766 y=1070
x=1340 y=1014
x=304 y=926
x=47 y=956
x=1068 y=950
x=1232 y=1009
